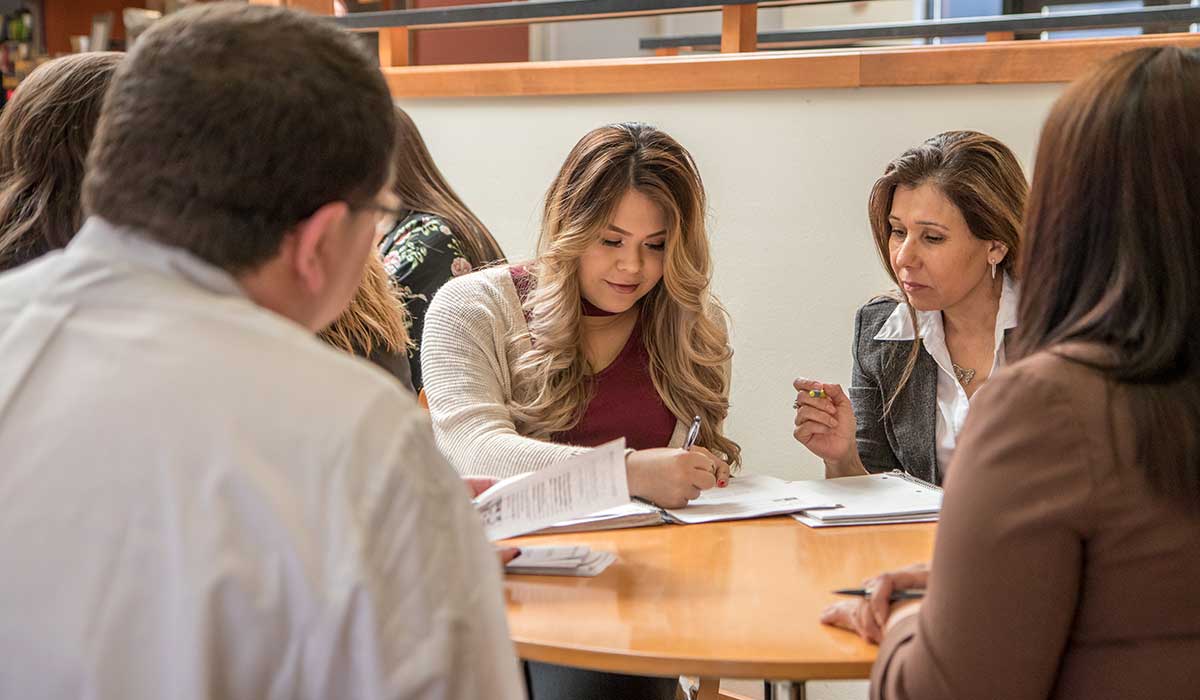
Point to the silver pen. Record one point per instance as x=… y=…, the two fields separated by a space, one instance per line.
x=693 y=433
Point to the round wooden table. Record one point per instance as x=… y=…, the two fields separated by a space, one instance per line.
x=736 y=599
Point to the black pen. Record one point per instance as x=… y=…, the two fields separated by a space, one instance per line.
x=898 y=594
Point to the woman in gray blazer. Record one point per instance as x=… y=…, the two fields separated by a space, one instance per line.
x=946 y=219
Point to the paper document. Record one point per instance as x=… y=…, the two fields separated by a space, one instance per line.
x=874 y=499
x=632 y=514
x=568 y=560
x=584 y=484
x=751 y=496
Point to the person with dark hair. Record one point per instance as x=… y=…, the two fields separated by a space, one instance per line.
x=45 y=132
x=1066 y=558
x=946 y=219
x=436 y=239
x=201 y=498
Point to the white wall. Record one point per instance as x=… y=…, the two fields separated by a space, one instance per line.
x=787 y=174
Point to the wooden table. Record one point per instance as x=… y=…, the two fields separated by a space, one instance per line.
x=722 y=600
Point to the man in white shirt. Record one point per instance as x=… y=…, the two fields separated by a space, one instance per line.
x=201 y=500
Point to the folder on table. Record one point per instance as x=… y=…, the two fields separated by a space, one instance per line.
x=875 y=499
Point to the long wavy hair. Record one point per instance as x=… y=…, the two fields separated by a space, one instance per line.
x=980 y=176
x=422 y=188
x=45 y=132
x=1114 y=250
x=684 y=326
x=376 y=318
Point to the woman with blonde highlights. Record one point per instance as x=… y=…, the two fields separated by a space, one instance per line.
x=610 y=332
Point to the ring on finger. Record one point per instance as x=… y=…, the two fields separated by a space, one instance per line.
x=796 y=404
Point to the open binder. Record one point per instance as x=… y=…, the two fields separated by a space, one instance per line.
x=874 y=499
x=753 y=496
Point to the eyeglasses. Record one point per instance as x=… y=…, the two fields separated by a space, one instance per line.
x=389 y=217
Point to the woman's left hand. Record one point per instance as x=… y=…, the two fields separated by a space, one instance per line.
x=868 y=617
x=719 y=467
x=477 y=485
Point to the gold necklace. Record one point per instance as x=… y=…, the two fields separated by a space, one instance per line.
x=963 y=374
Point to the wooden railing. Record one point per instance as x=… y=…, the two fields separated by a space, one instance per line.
x=738 y=68
x=739 y=19
x=1006 y=26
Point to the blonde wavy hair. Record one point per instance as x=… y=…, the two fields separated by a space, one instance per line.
x=684 y=326
x=376 y=318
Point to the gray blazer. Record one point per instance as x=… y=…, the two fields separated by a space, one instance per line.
x=906 y=438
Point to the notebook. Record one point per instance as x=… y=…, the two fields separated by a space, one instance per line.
x=875 y=499
x=751 y=496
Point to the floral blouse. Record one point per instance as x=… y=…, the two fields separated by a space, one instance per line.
x=421 y=254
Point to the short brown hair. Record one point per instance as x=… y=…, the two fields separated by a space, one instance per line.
x=45 y=132
x=1114 y=249
x=228 y=124
x=984 y=181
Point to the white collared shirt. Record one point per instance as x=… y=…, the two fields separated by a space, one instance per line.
x=952 y=401
x=201 y=500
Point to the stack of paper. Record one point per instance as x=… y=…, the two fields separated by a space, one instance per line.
x=569 y=560
x=877 y=499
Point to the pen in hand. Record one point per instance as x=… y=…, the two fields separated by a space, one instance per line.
x=898 y=594
x=693 y=433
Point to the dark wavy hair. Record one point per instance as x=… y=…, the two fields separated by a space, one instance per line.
x=1113 y=248
x=45 y=133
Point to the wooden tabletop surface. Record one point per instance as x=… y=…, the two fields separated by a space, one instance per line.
x=730 y=600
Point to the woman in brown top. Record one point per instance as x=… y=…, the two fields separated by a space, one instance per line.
x=1068 y=554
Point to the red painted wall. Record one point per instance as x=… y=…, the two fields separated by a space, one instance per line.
x=474 y=45
x=65 y=18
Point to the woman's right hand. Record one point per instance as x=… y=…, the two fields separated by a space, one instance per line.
x=669 y=477
x=825 y=425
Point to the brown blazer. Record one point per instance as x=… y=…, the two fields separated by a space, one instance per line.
x=1056 y=573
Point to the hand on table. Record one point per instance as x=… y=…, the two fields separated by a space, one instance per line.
x=868 y=617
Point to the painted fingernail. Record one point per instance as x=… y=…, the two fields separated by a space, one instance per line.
x=721 y=483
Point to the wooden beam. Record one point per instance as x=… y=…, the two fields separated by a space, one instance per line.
x=1000 y=36
x=317 y=7
x=671 y=51
x=739 y=28
x=954 y=64
x=395 y=47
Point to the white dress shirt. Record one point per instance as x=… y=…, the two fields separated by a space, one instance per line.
x=201 y=500
x=952 y=401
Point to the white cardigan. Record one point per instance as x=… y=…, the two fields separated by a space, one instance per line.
x=468 y=372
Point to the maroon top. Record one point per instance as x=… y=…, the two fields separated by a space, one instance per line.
x=624 y=401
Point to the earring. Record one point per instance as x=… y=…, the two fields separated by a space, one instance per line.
x=993 y=270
